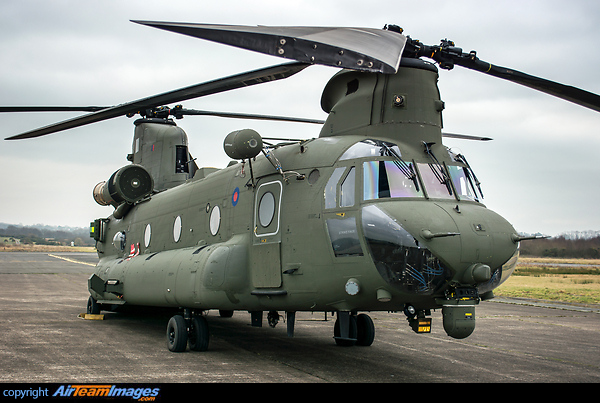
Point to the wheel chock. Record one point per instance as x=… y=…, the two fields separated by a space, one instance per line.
x=90 y=316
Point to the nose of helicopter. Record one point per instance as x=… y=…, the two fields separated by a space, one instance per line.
x=423 y=248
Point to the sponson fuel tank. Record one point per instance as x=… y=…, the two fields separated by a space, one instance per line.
x=185 y=277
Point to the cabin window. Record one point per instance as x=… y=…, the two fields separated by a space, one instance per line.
x=215 y=220
x=266 y=209
x=147 y=235
x=177 y=229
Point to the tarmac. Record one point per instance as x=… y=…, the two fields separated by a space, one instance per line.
x=44 y=340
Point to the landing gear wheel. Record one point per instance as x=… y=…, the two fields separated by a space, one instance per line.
x=352 y=333
x=93 y=307
x=365 y=330
x=225 y=313
x=177 y=335
x=198 y=334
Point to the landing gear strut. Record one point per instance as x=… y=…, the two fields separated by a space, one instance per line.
x=350 y=330
x=187 y=329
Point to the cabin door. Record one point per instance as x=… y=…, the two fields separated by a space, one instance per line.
x=266 y=246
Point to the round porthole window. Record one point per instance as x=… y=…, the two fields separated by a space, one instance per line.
x=266 y=209
x=147 y=235
x=177 y=229
x=215 y=220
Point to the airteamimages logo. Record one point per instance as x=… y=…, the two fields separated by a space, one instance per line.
x=70 y=392
x=140 y=394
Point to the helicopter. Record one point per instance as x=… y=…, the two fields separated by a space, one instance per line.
x=375 y=214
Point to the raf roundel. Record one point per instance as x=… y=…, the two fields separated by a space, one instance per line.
x=235 y=197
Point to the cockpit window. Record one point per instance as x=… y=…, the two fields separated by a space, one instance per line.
x=462 y=182
x=368 y=148
x=344 y=237
x=398 y=257
x=347 y=189
x=436 y=188
x=386 y=179
x=331 y=188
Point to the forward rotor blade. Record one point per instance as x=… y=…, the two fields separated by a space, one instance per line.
x=447 y=55
x=366 y=49
x=566 y=92
x=465 y=137
x=195 y=91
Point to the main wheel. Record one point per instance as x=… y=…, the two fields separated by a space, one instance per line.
x=177 y=335
x=93 y=307
x=198 y=334
x=365 y=330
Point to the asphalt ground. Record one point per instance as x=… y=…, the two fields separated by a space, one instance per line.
x=42 y=340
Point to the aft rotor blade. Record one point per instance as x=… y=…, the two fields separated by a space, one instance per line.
x=195 y=91
x=52 y=108
x=365 y=49
x=250 y=116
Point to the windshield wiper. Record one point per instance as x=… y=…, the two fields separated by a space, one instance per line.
x=405 y=168
x=437 y=168
x=470 y=173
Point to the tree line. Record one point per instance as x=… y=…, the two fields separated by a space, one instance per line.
x=560 y=246
x=29 y=235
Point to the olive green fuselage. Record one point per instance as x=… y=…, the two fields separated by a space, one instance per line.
x=344 y=225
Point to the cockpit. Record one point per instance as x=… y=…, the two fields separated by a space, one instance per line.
x=371 y=172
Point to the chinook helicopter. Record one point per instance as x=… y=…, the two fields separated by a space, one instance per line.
x=375 y=214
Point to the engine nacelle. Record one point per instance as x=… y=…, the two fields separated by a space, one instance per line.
x=129 y=184
x=243 y=144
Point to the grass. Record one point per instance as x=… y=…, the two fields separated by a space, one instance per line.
x=548 y=279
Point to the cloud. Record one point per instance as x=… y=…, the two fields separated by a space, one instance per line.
x=74 y=53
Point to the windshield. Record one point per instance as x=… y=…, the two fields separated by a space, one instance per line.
x=386 y=179
x=388 y=175
x=462 y=182
x=436 y=185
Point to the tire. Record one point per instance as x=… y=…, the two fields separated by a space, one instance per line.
x=365 y=330
x=199 y=335
x=93 y=307
x=177 y=335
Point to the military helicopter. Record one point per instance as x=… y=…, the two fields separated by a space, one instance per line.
x=376 y=214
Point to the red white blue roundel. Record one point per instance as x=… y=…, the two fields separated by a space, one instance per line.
x=235 y=197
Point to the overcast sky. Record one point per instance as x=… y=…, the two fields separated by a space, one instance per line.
x=541 y=172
